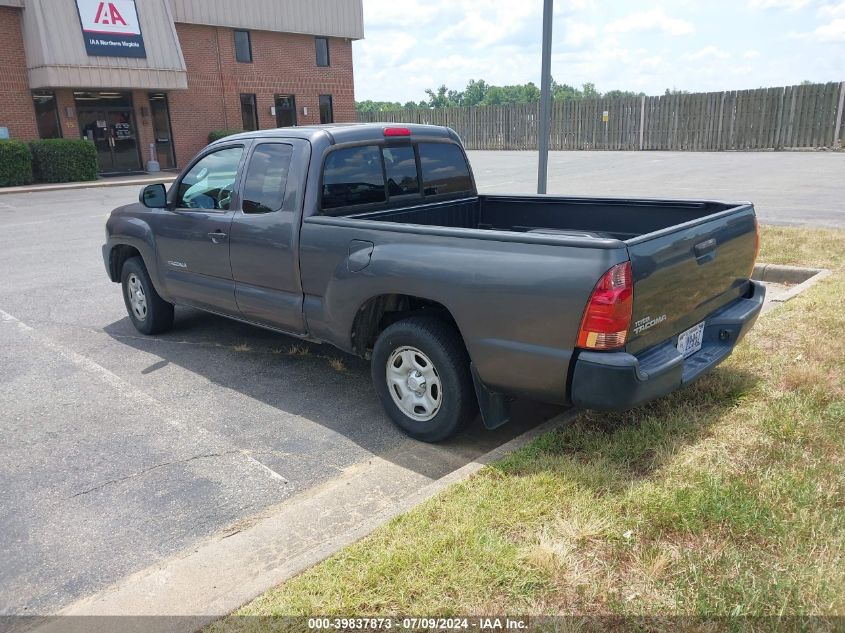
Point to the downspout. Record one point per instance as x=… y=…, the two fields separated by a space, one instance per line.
x=222 y=83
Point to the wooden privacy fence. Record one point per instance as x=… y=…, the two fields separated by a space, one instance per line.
x=806 y=116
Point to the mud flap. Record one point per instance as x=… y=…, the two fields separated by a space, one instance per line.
x=494 y=405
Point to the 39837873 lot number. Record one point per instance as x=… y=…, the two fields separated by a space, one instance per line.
x=347 y=624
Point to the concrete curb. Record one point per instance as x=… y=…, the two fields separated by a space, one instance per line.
x=803 y=278
x=106 y=182
x=779 y=274
x=214 y=578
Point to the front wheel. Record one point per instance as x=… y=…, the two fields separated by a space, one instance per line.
x=420 y=370
x=149 y=313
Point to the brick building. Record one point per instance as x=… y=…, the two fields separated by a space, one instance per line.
x=130 y=73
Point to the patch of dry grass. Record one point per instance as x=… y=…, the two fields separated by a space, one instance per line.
x=337 y=364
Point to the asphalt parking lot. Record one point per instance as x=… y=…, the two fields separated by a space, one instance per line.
x=799 y=188
x=121 y=450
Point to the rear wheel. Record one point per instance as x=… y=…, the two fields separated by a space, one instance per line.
x=420 y=370
x=149 y=313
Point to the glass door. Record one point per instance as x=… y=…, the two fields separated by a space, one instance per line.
x=285 y=110
x=124 y=143
x=161 y=130
x=113 y=134
x=94 y=126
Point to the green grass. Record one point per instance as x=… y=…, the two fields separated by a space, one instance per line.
x=726 y=498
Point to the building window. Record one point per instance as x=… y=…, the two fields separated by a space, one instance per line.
x=243 y=47
x=326 y=112
x=249 y=112
x=322 y=44
x=46 y=114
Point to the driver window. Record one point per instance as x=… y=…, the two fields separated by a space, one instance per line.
x=209 y=183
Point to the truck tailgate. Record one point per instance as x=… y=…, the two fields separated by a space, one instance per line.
x=683 y=273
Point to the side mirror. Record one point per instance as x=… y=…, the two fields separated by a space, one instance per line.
x=153 y=196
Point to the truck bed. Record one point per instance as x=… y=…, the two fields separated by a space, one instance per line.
x=620 y=219
x=689 y=258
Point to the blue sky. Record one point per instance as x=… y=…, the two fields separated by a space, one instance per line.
x=644 y=46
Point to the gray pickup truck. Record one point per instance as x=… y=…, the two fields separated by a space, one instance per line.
x=373 y=238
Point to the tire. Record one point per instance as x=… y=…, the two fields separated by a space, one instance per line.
x=149 y=313
x=428 y=403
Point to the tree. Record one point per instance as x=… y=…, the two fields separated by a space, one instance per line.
x=443 y=98
x=589 y=91
x=376 y=106
x=479 y=92
x=622 y=94
x=475 y=92
x=565 y=92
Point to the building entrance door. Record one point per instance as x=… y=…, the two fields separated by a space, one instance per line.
x=114 y=135
x=285 y=110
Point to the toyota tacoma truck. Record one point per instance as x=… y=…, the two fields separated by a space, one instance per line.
x=373 y=238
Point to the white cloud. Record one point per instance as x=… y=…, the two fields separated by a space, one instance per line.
x=789 y=5
x=383 y=13
x=578 y=34
x=708 y=52
x=833 y=32
x=656 y=19
x=751 y=54
x=487 y=23
x=832 y=10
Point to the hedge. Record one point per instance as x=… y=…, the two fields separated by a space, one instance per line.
x=216 y=135
x=64 y=160
x=15 y=164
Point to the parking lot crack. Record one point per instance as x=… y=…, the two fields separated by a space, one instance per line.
x=152 y=468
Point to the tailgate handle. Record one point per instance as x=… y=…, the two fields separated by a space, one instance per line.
x=705 y=248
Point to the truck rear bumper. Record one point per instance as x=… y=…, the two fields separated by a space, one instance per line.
x=619 y=381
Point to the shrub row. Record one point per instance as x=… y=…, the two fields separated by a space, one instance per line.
x=216 y=135
x=47 y=160
x=15 y=164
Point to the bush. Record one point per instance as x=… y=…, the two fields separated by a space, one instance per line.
x=216 y=135
x=64 y=160
x=15 y=164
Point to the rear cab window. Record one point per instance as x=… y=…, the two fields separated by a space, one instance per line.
x=444 y=169
x=372 y=177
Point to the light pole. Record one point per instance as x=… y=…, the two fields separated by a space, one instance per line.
x=545 y=99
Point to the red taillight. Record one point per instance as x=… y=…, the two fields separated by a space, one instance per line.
x=608 y=314
x=397 y=131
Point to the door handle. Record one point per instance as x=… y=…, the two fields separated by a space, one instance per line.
x=217 y=236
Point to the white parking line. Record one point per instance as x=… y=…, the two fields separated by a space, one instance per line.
x=124 y=388
x=267 y=469
x=109 y=377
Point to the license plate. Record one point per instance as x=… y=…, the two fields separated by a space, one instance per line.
x=689 y=342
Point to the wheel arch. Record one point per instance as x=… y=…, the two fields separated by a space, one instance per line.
x=380 y=311
x=118 y=254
